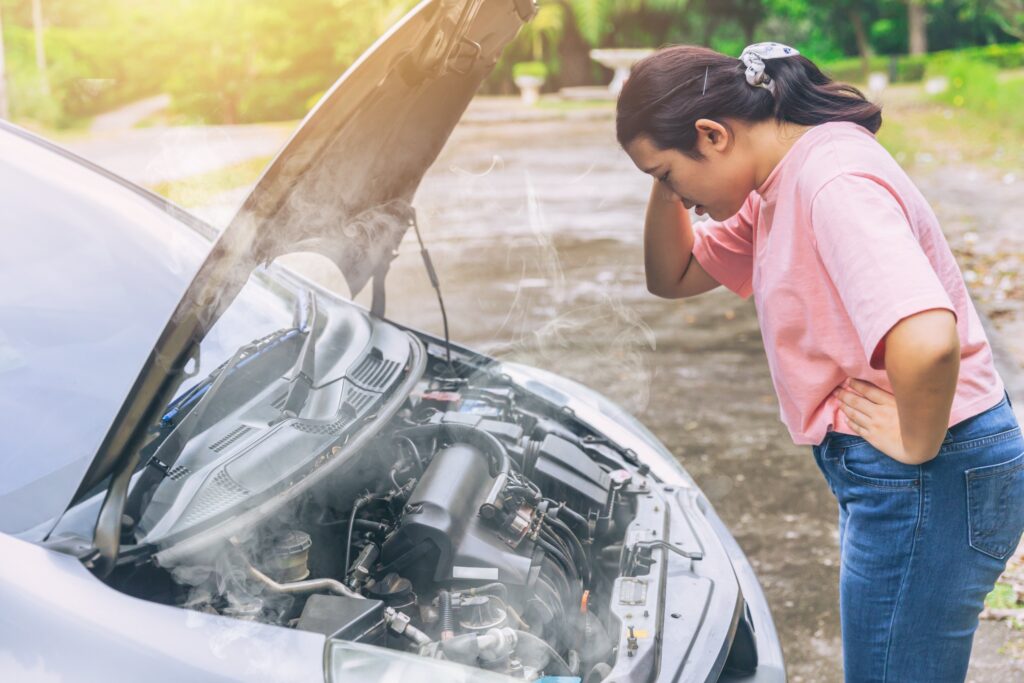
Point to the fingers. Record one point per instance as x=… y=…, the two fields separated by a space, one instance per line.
x=850 y=398
x=854 y=415
x=872 y=392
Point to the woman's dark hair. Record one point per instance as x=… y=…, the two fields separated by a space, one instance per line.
x=662 y=98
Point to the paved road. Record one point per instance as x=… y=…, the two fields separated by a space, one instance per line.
x=153 y=155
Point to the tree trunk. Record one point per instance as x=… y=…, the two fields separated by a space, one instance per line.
x=574 y=52
x=749 y=26
x=37 y=26
x=863 y=46
x=5 y=112
x=229 y=108
x=751 y=14
x=917 y=14
x=710 y=28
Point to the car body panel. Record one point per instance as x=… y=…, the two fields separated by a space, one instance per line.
x=60 y=623
x=92 y=277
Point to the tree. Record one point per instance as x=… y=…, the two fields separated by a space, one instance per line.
x=917 y=34
x=1010 y=15
x=591 y=23
x=855 y=13
x=545 y=29
x=749 y=14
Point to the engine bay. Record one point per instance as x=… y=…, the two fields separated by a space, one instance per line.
x=479 y=525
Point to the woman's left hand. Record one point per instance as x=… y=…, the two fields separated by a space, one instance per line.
x=871 y=412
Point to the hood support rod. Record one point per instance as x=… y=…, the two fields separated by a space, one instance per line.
x=436 y=284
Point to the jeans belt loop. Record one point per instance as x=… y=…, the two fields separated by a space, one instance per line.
x=826 y=442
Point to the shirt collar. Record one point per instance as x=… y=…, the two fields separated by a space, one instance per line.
x=769 y=189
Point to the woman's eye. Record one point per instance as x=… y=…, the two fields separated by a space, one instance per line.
x=664 y=178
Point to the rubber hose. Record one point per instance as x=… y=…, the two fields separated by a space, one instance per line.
x=444 y=599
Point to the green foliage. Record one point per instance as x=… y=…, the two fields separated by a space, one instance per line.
x=728 y=44
x=593 y=18
x=201 y=189
x=889 y=36
x=535 y=69
x=1002 y=596
x=912 y=68
x=227 y=61
x=222 y=61
x=544 y=30
x=1010 y=14
x=976 y=85
x=970 y=80
x=1003 y=55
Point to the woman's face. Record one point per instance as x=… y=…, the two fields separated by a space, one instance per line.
x=717 y=185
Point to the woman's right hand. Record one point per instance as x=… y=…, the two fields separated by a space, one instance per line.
x=672 y=272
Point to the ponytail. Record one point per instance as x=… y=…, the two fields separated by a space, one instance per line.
x=669 y=90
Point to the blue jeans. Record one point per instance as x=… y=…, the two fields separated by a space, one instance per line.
x=922 y=545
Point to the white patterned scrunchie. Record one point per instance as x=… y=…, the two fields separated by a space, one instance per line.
x=753 y=57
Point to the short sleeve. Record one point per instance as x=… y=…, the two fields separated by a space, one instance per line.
x=725 y=248
x=875 y=261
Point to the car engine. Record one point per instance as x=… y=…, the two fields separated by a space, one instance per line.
x=480 y=526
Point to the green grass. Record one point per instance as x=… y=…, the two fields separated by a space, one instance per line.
x=201 y=189
x=1002 y=597
x=914 y=124
x=566 y=105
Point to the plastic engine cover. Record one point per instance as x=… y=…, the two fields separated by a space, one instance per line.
x=566 y=473
x=442 y=537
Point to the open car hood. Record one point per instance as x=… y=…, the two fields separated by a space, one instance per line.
x=342 y=186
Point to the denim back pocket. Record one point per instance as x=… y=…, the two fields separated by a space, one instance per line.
x=864 y=464
x=995 y=506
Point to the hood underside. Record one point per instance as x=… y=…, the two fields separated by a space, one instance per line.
x=343 y=184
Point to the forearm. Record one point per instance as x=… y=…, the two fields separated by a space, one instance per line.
x=922 y=360
x=668 y=239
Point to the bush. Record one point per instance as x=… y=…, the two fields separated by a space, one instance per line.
x=974 y=85
x=889 y=36
x=535 y=69
x=971 y=81
x=851 y=69
x=912 y=68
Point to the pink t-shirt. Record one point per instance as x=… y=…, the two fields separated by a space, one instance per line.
x=837 y=246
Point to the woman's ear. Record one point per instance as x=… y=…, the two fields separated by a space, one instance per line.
x=712 y=135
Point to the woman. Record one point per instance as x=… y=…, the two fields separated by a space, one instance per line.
x=875 y=349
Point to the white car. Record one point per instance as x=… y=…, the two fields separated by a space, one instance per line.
x=211 y=469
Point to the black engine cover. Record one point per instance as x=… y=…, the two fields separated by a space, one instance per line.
x=442 y=538
x=566 y=474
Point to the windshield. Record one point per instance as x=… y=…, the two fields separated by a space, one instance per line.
x=89 y=274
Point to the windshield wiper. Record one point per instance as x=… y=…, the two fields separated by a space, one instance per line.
x=181 y=435
x=303 y=371
x=201 y=395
